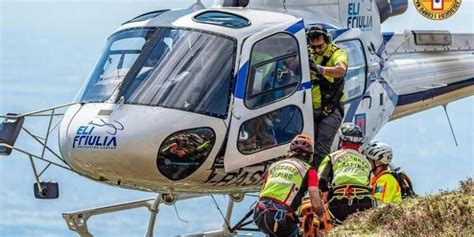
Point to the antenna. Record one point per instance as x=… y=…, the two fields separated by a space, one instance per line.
x=450 y=126
x=197 y=6
x=177 y=214
x=231 y=3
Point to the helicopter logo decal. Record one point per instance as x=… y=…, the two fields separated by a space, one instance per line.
x=116 y=126
x=86 y=136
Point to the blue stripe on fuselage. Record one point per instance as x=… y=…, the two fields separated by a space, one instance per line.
x=353 y=105
x=428 y=94
x=240 y=83
x=387 y=36
x=390 y=92
x=337 y=33
x=305 y=85
x=295 y=28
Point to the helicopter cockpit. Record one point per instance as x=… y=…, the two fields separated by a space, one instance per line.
x=174 y=68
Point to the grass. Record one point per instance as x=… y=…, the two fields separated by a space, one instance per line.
x=449 y=213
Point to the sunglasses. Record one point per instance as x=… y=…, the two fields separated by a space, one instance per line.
x=319 y=46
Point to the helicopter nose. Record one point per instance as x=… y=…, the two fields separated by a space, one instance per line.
x=140 y=143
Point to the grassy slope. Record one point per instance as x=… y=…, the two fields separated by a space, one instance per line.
x=449 y=213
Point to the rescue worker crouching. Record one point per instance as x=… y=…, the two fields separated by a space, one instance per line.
x=385 y=187
x=328 y=65
x=344 y=176
x=285 y=184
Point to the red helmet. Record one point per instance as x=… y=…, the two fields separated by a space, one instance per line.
x=302 y=143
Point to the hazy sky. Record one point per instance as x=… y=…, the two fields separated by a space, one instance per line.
x=48 y=49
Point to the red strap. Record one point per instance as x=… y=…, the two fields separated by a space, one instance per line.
x=313 y=179
x=348 y=192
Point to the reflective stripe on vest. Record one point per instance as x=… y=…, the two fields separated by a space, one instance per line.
x=284 y=180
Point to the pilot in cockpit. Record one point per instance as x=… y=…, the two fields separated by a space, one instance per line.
x=288 y=71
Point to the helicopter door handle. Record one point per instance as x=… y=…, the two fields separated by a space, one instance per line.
x=368 y=97
x=236 y=116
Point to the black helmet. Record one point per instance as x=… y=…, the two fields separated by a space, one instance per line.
x=318 y=30
x=351 y=133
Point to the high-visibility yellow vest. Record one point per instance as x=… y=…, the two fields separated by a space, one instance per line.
x=284 y=179
x=386 y=189
x=335 y=56
x=349 y=168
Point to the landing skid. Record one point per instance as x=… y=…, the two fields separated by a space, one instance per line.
x=77 y=221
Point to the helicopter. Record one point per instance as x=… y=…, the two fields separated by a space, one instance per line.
x=219 y=136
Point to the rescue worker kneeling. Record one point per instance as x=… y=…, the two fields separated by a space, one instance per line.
x=345 y=175
x=385 y=187
x=285 y=184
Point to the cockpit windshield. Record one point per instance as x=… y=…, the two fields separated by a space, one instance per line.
x=187 y=70
x=121 y=52
x=169 y=67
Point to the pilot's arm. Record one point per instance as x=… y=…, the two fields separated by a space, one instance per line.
x=316 y=202
x=336 y=71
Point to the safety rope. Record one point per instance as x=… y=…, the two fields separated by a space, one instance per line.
x=280 y=214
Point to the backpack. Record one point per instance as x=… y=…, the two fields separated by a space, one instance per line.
x=406 y=186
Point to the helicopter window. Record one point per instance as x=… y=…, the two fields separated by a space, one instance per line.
x=270 y=130
x=356 y=72
x=222 y=19
x=146 y=16
x=183 y=152
x=121 y=52
x=275 y=70
x=187 y=70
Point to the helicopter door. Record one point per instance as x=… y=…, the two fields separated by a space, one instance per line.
x=272 y=101
x=364 y=102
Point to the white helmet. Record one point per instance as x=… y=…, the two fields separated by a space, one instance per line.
x=379 y=151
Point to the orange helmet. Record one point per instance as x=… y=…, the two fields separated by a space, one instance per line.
x=302 y=143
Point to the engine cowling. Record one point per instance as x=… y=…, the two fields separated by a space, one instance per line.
x=391 y=8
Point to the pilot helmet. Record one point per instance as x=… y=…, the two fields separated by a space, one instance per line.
x=318 y=30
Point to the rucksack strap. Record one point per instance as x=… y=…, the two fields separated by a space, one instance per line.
x=406 y=186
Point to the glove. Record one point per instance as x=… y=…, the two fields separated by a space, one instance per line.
x=315 y=67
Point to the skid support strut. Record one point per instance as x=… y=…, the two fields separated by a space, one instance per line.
x=153 y=212
x=77 y=221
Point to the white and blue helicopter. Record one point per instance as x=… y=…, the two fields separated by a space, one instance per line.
x=191 y=102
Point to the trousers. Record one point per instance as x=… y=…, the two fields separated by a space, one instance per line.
x=325 y=130
x=265 y=215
